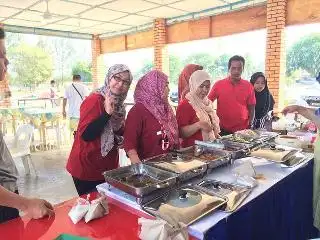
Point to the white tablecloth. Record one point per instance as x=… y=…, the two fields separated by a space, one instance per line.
x=272 y=173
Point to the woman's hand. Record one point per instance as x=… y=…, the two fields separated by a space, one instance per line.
x=291 y=109
x=133 y=156
x=109 y=104
x=217 y=135
x=205 y=126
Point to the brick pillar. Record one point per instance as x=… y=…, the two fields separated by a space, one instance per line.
x=4 y=89
x=161 y=59
x=275 y=49
x=96 y=52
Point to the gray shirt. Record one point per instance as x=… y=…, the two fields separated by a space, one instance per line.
x=8 y=170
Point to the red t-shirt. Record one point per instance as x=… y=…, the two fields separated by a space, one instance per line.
x=85 y=161
x=142 y=133
x=232 y=103
x=186 y=115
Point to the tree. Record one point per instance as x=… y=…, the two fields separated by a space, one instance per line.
x=175 y=67
x=84 y=70
x=30 y=65
x=146 y=67
x=305 y=55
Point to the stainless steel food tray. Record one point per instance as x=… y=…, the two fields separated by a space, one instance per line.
x=161 y=179
x=224 y=189
x=219 y=157
x=237 y=150
x=153 y=206
x=173 y=157
x=275 y=147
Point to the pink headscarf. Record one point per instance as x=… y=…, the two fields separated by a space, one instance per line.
x=150 y=93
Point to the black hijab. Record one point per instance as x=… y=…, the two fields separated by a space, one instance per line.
x=265 y=101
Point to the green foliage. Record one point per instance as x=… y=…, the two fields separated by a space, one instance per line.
x=30 y=65
x=175 y=67
x=305 y=55
x=147 y=66
x=84 y=70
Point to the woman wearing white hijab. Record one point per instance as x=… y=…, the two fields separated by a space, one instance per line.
x=196 y=117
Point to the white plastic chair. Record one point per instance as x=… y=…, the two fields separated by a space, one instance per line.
x=21 y=146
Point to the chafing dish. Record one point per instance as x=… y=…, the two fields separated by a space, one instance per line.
x=235 y=193
x=251 y=139
x=185 y=204
x=296 y=159
x=275 y=153
x=237 y=150
x=186 y=167
x=213 y=157
x=140 y=179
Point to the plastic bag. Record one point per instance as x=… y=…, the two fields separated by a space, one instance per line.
x=97 y=209
x=79 y=210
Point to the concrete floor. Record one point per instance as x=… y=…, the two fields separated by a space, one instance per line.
x=53 y=182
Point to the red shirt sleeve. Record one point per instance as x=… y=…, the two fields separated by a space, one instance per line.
x=251 y=97
x=132 y=129
x=185 y=114
x=90 y=109
x=213 y=95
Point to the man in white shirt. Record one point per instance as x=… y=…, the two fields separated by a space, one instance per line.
x=74 y=95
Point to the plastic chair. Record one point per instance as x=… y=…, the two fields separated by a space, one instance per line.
x=21 y=146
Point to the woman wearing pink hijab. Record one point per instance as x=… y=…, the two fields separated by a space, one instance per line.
x=151 y=127
x=183 y=84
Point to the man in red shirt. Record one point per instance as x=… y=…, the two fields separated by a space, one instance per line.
x=235 y=99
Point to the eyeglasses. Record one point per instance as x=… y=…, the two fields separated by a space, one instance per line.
x=125 y=82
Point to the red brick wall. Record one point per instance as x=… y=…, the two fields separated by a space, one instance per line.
x=96 y=51
x=161 y=61
x=275 y=48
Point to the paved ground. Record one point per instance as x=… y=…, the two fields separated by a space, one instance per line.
x=53 y=182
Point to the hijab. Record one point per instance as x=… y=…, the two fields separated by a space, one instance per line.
x=265 y=101
x=150 y=93
x=184 y=79
x=118 y=116
x=203 y=107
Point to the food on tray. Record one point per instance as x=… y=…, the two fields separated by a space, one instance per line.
x=179 y=166
x=277 y=154
x=139 y=180
x=246 y=135
x=290 y=141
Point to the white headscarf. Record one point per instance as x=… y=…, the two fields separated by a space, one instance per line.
x=203 y=107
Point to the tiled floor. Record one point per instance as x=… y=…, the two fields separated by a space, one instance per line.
x=53 y=182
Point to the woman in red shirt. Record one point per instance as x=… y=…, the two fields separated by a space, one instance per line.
x=102 y=115
x=196 y=117
x=183 y=84
x=151 y=127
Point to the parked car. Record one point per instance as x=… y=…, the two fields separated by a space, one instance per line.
x=174 y=97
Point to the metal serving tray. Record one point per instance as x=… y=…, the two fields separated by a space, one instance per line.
x=262 y=138
x=237 y=150
x=177 y=158
x=211 y=156
x=225 y=189
x=140 y=179
x=181 y=196
x=277 y=147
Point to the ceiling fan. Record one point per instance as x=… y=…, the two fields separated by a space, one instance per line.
x=47 y=15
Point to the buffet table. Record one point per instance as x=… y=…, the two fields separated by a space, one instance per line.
x=280 y=207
